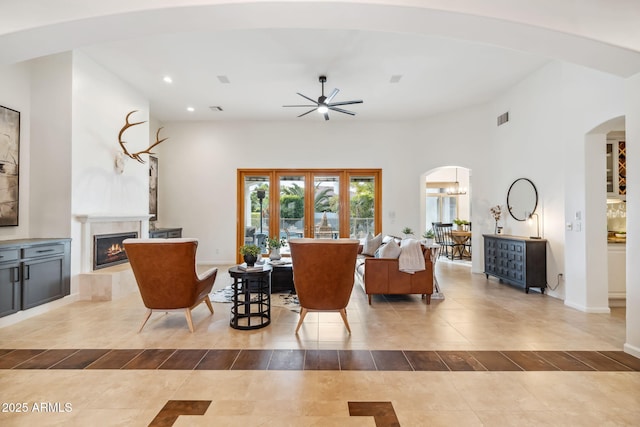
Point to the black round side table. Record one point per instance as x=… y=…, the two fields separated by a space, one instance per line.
x=251 y=304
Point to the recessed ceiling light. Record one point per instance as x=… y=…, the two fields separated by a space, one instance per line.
x=223 y=79
x=167 y=79
x=395 y=78
x=191 y=109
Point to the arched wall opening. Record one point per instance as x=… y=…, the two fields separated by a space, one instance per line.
x=437 y=204
x=598 y=249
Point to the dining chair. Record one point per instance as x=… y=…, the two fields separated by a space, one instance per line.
x=444 y=239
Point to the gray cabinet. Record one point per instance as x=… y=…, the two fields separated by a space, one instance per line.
x=165 y=233
x=33 y=272
x=519 y=261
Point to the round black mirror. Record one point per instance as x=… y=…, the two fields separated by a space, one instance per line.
x=522 y=199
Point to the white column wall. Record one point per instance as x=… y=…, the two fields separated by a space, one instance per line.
x=50 y=160
x=632 y=107
x=100 y=103
x=589 y=98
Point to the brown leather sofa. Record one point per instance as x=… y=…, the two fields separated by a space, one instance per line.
x=383 y=276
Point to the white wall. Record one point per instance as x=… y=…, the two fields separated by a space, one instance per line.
x=632 y=108
x=199 y=162
x=15 y=94
x=530 y=145
x=100 y=103
x=589 y=98
x=50 y=159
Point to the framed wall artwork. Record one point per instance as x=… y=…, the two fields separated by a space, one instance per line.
x=153 y=188
x=9 y=166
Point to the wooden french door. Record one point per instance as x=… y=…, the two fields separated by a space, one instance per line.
x=315 y=203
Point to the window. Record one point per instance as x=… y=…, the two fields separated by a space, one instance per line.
x=318 y=203
x=440 y=206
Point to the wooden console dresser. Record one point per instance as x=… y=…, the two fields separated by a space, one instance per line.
x=165 y=233
x=520 y=261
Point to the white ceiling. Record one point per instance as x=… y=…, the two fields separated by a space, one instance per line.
x=450 y=54
x=266 y=68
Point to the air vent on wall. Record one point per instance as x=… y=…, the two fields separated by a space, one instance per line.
x=503 y=118
x=216 y=108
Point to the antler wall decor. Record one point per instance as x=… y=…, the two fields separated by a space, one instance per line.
x=136 y=156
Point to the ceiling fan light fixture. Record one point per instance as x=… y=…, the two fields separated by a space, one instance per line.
x=325 y=103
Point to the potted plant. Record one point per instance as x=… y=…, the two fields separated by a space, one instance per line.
x=274 y=244
x=429 y=237
x=250 y=253
x=460 y=222
x=407 y=231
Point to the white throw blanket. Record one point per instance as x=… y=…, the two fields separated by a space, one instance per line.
x=411 y=258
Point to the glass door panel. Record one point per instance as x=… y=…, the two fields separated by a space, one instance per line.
x=361 y=206
x=294 y=203
x=326 y=207
x=256 y=210
x=291 y=207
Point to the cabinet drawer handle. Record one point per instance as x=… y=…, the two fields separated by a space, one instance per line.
x=41 y=251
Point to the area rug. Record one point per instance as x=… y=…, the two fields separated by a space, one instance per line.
x=287 y=299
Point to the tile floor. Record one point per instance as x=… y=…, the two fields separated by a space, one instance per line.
x=488 y=354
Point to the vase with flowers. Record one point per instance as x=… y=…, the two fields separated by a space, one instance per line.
x=274 y=245
x=496 y=212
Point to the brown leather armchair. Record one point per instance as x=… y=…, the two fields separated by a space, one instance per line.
x=165 y=270
x=323 y=274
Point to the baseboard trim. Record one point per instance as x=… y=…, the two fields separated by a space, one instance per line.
x=592 y=310
x=632 y=350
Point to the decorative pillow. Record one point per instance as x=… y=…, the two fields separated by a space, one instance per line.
x=388 y=238
x=389 y=250
x=371 y=245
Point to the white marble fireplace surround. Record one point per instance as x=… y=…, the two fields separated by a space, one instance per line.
x=111 y=282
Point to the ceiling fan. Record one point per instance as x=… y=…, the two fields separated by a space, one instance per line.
x=324 y=104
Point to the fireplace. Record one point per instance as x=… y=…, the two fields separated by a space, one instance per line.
x=108 y=249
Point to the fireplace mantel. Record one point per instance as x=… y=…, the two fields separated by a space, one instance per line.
x=107 y=223
x=112 y=218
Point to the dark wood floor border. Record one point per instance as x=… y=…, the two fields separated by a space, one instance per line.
x=382 y=412
x=315 y=360
x=174 y=408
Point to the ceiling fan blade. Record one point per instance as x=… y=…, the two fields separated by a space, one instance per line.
x=307 y=98
x=299 y=106
x=304 y=114
x=333 y=104
x=326 y=116
x=340 y=110
x=333 y=94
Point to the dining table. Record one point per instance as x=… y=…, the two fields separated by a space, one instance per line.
x=461 y=238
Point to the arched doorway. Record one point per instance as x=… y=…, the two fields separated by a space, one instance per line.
x=446 y=196
x=604 y=206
